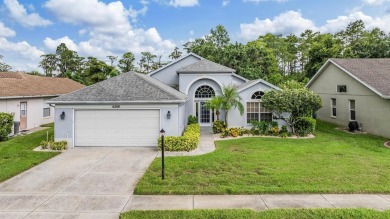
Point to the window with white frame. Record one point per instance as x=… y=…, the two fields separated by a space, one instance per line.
x=23 y=109
x=352 y=110
x=333 y=103
x=204 y=92
x=255 y=111
x=46 y=109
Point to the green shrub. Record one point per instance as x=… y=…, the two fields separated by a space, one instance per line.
x=261 y=127
x=6 y=123
x=305 y=126
x=234 y=132
x=54 y=145
x=59 y=145
x=192 y=120
x=218 y=126
x=274 y=131
x=284 y=133
x=188 y=141
x=45 y=144
x=224 y=133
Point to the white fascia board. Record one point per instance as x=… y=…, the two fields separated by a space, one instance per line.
x=115 y=102
x=23 y=97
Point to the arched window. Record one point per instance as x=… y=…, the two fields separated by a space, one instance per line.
x=255 y=111
x=204 y=91
x=257 y=95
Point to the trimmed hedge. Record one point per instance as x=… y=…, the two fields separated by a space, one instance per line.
x=305 y=126
x=6 y=123
x=189 y=141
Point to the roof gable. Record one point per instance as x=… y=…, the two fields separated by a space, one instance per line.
x=127 y=87
x=372 y=73
x=17 y=84
x=251 y=83
x=176 y=61
x=205 y=65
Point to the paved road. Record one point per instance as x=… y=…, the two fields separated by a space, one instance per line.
x=79 y=183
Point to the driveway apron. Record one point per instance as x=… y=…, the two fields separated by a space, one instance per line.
x=79 y=183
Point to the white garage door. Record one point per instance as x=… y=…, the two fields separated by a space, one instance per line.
x=116 y=127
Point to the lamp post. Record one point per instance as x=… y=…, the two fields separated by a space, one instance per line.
x=162 y=154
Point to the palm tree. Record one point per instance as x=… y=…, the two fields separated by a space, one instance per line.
x=215 y=104
x=230 y=99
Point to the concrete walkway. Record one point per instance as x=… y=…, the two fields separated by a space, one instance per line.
x=206 y=145
x=257 y=202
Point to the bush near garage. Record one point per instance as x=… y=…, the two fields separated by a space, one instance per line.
x=6 y=123
x=187 y=142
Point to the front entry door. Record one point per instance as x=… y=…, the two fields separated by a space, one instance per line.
x=23 y=116
x=204 y=115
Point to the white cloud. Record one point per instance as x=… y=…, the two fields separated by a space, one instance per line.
x=337 y=24
x=375 y=2
x=19 y=13
x=294 y=22
x=225 y=2
x=20 y=55
x=52 y=44
x=5 y=31
x=183 y=3
x=109 y=29
x=133 y=13
x=285 y=23
x=111 y=18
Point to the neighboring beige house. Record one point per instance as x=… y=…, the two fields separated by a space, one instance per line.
x=26 y=96
x=355 y=90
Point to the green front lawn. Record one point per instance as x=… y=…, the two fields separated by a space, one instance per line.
x=269 y=214
x=16 y=154
x=333 y=162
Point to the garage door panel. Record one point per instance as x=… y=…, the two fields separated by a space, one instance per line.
x=117 y=127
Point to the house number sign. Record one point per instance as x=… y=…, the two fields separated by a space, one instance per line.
x=116 y=106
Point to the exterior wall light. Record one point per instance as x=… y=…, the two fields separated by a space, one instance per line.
x=169 y=115
x=62 y=116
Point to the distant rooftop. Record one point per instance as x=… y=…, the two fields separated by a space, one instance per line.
x=17 y=84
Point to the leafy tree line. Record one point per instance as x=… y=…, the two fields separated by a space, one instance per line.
x=272 y=57
x=4 y=67
x=277 y=58
x=67 y=63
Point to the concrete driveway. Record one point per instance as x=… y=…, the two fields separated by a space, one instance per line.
x=79 y=183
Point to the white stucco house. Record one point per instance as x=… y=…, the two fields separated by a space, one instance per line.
x=26 y=97
x=131 y=109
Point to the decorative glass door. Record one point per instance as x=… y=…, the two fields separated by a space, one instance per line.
x=205 y=114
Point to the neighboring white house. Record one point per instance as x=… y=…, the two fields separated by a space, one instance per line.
x=130 y=109
x=355 y=90
x=26 y=97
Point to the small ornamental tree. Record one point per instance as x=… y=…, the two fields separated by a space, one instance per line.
x=230 y=99
x=291 y=103
x=6 y=123
x=215 y=104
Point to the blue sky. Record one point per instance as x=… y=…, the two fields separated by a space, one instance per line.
x=99 y=28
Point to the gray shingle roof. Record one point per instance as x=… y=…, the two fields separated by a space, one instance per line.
x=205 y=66
x=373 y=72
x=127 y=87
